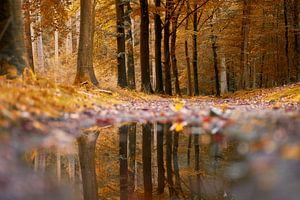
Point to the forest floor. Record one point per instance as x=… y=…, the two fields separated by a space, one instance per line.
x=38 y=113
x=34 y=105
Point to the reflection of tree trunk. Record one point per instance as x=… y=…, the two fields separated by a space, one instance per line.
x=58 y=166
x=197 y=165
x=160 y=160
x=147 y=174
x=86 y=147
x=189 y=150
x=123 y=162
x=169 y=160
x=132 y=149
x=175 y=162
x=71 y=168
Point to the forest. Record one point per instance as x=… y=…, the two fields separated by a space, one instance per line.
x=149 y=99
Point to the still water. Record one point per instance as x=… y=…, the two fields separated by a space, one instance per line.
x=150 y=161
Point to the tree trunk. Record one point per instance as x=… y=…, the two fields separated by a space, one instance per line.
x=286 y=36
x=173 y=51
x=215 y=59
x=197 y=166
x=86 y=147
x=147 y=174
x=223 y=77
x=168 y=81
x=129 y=45
x=122 y=80
x=243 y=72
x=188 y=64
x=69 y=39
x=144 y=47
x=158 y=61
x=85 y=69
x=195 y=52
x=28 y=34
x=296 y=38
x=123 y=132
x=40 y=46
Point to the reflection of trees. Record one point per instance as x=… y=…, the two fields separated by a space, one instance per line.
x=123 y=132
x=169 y=141
x=147 y=161
x=86 y=147
x=132 y=159
x=160 y=160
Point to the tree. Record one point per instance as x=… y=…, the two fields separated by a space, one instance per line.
x=167 y=63
x=144 y=47
x=85 y=69
x=28 y=34
x=122 y=80
x=158 y=39
x=195 y=50
x=129 y=47
x=11 y=39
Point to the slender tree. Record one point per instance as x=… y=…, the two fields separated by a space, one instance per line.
x=122 y=81
x=167 y=63
x=158 y=38
x=129 y=47
x=195 y=50
x=85 y=69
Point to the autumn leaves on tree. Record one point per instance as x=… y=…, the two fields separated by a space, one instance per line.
x=185 y=47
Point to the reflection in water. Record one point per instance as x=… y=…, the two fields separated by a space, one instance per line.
x=146 y=158
x=86 y=148
x=149 y=161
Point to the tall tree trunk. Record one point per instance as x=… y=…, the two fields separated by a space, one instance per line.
x=85 y=69
x=86 y=147
x=123 y=132
x=12 y=50
x=195 y=51
x=147 y=174
x=129 y=46
x=144 y=47
x=243 y=72
x=286 y=36
x=187 y=56
x=158 y=38
x=28 y=34
x=168 y=81
x=160 y=159
x=173 y=51
x=297 y=38
x=122 y=80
